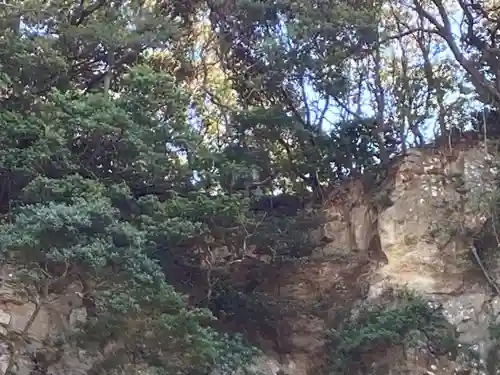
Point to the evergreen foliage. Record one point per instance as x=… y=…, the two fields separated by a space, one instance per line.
x=139 y=135
x=409 y=321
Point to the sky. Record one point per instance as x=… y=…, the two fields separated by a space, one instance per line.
x=430 y=124
x=332 y=115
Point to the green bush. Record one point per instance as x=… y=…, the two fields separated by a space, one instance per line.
x=409 y=320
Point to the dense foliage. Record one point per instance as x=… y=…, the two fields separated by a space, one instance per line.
x=407 y=321
x=138 y=135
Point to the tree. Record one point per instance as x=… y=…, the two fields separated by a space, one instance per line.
x=91 y=135
x=280 y=55
x=473 y=51
x=78 y=220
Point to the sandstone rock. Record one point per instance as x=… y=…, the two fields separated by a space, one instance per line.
x=5 y=318
x=394 y=221
x=77 y=316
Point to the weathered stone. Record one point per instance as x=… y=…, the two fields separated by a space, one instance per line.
x=4 y=318
x=21 y=315
x=4 y=356
x=77 y=316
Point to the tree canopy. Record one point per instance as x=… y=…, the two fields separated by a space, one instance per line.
x=135 y=135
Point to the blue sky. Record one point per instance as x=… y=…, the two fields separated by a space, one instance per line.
x=428 y=127
x=332 y=115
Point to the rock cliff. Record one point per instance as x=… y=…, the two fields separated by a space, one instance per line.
x=423 y=227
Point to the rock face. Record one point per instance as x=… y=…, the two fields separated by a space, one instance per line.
x=302 y=296
x=30 y=334
x=417 y=229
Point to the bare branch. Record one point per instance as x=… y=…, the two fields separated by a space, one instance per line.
x=323 y=113
x=444 y=28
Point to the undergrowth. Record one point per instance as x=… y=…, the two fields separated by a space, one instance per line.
x=408 y=320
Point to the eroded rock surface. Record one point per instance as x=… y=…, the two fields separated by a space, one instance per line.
x=32 y=339
x=418 y=228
